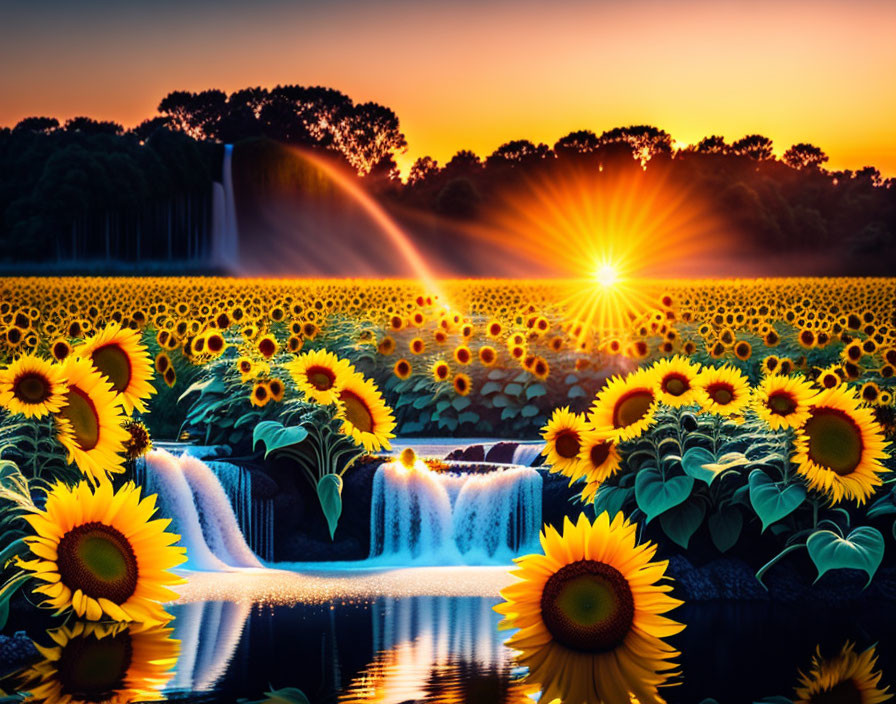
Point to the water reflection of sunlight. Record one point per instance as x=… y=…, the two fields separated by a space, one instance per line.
x=436 y=649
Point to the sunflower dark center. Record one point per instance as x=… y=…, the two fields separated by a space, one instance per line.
x=356 y=411
x=31 y=388
x=599 y=453
x=81 y=413
x=114 y=363
x=721 y=393
x=632 y=407
x=835 y=441
x=588 y=606
x=675 y=384
x=321 y=378
x=567 y=444
x=781 y=403
x=845 y=692
x=98 y=560
x=93 y=669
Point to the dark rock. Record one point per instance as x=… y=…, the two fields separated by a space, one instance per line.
x=559 y=500
x=455 y=455
x=263 y=487
x=474 y=453
x=501 y=452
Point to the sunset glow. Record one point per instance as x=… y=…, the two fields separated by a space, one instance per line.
x=472 y=76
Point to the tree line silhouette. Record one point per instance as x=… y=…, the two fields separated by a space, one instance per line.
x=92 y=190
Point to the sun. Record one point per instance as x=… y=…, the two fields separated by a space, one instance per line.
x=606 y=275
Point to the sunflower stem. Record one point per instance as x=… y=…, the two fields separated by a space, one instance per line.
x=765 y=568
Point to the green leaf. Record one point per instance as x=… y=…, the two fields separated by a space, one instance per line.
x=207 y=386
x=496 y=374
x=287 y=695
x=862 y=549
x=461 y=402
x=682 y=521
x=510 y=412
x=422 y=402
x=468 y=417
x=490 y=387
x=610 y=499
x=329 y=492
x=275 y=436
x=529 y=411
x=571 y=379
x=500 y=401
x=772 y=500
x=513 y=389
x=576 y=392
x=14 y=548
x=725 y=526
x=693 y=461
x=535 y=390
x=656 y=495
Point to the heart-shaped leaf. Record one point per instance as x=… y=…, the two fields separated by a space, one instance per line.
x=655 y=494
x=694 y=462
x=772 y=500
x=862 y=549
x=275 y=435
x=682 y=521
x=610 y=499
x=329 y=492
x=725 y=526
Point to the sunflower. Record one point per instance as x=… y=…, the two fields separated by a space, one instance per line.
x=277 y=389
x=366 y=417
x=675 y=380
x=101 y=555
x=563 y=440
x=463 y=384
x=589 y=613
x=402 y=369
x=320 y=374
x=782 y=401
x=626 y=405
x=60 y=349
x=32 y=386
x=440 y=370
x=261 y=394
x=488 y=355
x=267 y=346
x=90 y=420
x=463 y=355
x=840 y=446
x=599 y=460
x=122 y=358
x=92 y=662
x=139 y=442
x=847 y=677
x=724 y=390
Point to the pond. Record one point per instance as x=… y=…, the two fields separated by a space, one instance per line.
x=430 y=635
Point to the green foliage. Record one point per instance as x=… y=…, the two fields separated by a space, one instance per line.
x=656 y=493
x=329 y=492
x=773 y=500
x=862 y=549
x=275 y=436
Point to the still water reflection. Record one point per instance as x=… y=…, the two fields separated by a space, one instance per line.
x=405 y=648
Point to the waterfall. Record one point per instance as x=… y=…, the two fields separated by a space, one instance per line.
x=202 y=512
x=216 y=515
x=526 y=453
x=452 y=518
x=163 y=476
x=225 y=232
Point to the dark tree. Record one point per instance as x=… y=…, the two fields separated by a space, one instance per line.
x=520 y=152
x=712 y=145
x=576 y=143
x=646 y=141
x=423 y=169
x=38 y=124
x=754 y=146
x=804 y=156
x=458 y=198
x=86 y=125
x=367 y=133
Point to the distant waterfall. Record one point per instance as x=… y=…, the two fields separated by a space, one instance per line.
x=526 y=453
x=225 y=231
x=452 y=518
x=191 y=495
x=254 y=516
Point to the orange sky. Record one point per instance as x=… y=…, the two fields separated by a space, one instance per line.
x=474 y=75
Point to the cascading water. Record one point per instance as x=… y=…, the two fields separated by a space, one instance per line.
x=526 y=453
x=163 y=476
x=225 y=232
x=202 y=513
x=254 y=516
x=216 y=515
x=453 y=518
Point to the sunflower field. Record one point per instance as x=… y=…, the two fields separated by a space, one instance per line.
x=722 y=409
